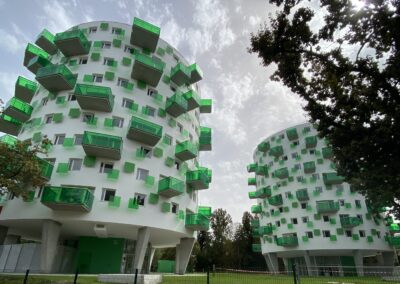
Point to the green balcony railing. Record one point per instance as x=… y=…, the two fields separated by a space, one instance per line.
x=25 y=89
x=205 y=106
x=199 y=179
x=332 y=178
x=195 y=73
x=144 y=131
x=18 y=109
x=327 y=206
x=72 y=43
x=180 y=74
x=32 y=51
x=262 y=170
x=255 y=232
x=276 y=151
x=56 y=78
x=9 y=125
x=45 y=40
x=251 y=168
x=176 y=105
x=256 y=247
x=255 y=223
x=255 y=209
x=251 y=181
x=327 y=152
x=292 y=134
x=253 y=195
x=186 y=150
x=350 y=222
x=281 y=173
x=276 y=200
x=309 y=167
x=394 y=228
x=36 y=63
x=193 y=99
x=394 y=241
x=197 y=222
x=46 y=168
x=170 y=187
x=311 y=141
x=205 y=211
x=205 y=139
x=287 y=241
x=67 y=198
x=102 y=145
x=9 y=140
x=147 y=69
x=265 y=230
x=263 y=146
x=302 y=194
x=144 y=34
x=264 y=192
x=93 y=97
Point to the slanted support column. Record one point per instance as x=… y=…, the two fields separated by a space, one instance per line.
x=152 y=251
x=358 y=260
x=3 y=234
x=309 y=263
x=183 y=252
x=50 y=236
x=286 y=263
x=272 y=262
x=141 y=246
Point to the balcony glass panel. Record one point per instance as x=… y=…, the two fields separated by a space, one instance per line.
x=281 y=173
x=67 y=198
x=46 y=167
x=276 y=151
x=197 y=222
x=147 y=69
x=176 y=105
x=275 y=200
x=332 y=178
x=309 y=167
x=311 y=141
x=302 y=194
x=45 y=40
x=102 y=145
x=256 y=209
x=256 y=247
x=144 y=34
x=73 y=42
x=287 y=241
x=199 y=179
x=94 y=97
x=25 y=89
x=195 y=73
x=180 y=74
x=193 y=99
x=32 y=51
x=327 y=206
x=205 y=139
x=263 y=147
x=144 y=131
x=186 y=150
x=327 y=152
x=18 y=109
x=56 y=78
x=205 y=106
x=9 y=125
x=205 y=210
x=251 y=168
x=292 y=134
x=170 y=187
x=350 y=222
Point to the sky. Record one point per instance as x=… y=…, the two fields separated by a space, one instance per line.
x=247 y=105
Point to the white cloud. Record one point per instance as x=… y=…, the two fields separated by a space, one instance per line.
x=56 y=17
x=7 y=84
x=10 y=43
x=254 y=20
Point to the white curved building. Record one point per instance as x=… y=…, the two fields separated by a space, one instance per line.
x=122 y=108
x=307 y=214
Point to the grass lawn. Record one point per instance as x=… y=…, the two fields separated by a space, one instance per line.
x=8 y=279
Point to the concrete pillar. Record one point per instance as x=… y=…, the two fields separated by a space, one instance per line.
x=183 y=252
x=3 y=234
x=12 y=240
x=151 y=256
x=50 y=236
x=286 y=263
x=388 y=258
x=142 y=242
x=309 y=263
x=272 y=262
x=358 y=260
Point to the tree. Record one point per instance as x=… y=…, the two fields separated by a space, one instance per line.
x=220 y=223
x=352 y=97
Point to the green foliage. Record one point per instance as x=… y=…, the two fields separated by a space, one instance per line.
x=346 y=70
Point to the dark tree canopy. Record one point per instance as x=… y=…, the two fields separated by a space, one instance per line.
x=352 y=97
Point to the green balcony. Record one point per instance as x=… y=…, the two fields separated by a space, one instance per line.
x=264 y=192
x=255 y=223
x=262 y=170
x=302 y=194
x=72 y=43
x=199 y=179
x=276 y=200
x=32 y=51
x=180 y=74
x=193 y=99
x=195 y=73
x=144 y=131
x=102 y=145
x=205 y=139
x=176 y=105
x=287 y=241
x=67 y=198
x=186 y=150
x=205 y=211
x=394 y=228
x=311 y=141
x=255 y=232
x=327 y=152
x=251 y=168
x=253 y=195
x=9 y=140
x=144 y=34
x=46 y=168
x=93 y=97
x=255 y=209
x=170 y=187
x=25 y=89
x=276 y=151
x=205 y=106
x=292 y=134
x=265 y=230
x=309 y=167
x=9 y=125
x=256 y=247
x=350 y=222
x=394 y=241
x=18 y=109
x=281 y=173
x=263 y=147
x=327 y=206
x=197 y=222
x=332 y=178
x=45 y=40
x=251 y=181
x=56 y=78
x=147 y=69
x=36 y=63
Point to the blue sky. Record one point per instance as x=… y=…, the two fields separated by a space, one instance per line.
x=248 y=106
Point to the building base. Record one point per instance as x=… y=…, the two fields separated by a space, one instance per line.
x=129 y=278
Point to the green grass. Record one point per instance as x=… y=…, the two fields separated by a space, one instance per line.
x=7 y=279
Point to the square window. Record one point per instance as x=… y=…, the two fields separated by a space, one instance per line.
x=118 y=122
x=59 y=139
x=141 y=174
x=87 y=117
x=362 y=233
x=175 y=208
x=97 y=78
x=75 y=164
x=297 y=166
x=122 y=82
x=312 y=152
x=71 y=98
x=310 y=235
x=106 y=168
x=300 y=178
x=150 y=111
x=348 y=233
x=127 y=103
x=303 y=205
x=176 y=58
x=326 y=234
x=146 y=151
x=315 y=176
x=281 y=209
x=152 y=92
x=294 y=221
x=180 y=127
x=285 y=158
x=341 y=202
x=167 y=139
x=83 y=60
x=304 y=219
x=358 y=203
x=278 y=223
x=44 y=101
x=177 y=165
x=92 y=30
x=359 y=216
x=78 y=139
x=108 y=61
x=107 y=194
x=378 y=235
x=140 y=198
x=48 y=119
x=129 y=49
x=296 y=143
x=318 y=189
x=106 y=44
x=325 y=218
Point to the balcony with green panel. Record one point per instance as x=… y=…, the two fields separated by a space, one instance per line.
x=195 y=73
x=72 y=43
x=251 y=168
x=264 y=192
x=144 y=131
x=327 y=152
x=199 y=179
x=193 y=99
x=36 y=63
x=251 y=181
x=263 y=147
x=287 y=241
x=180 y=74
x=262 y=170
x=252 y=194
x=281 y=173
x=205 y=139
x=56 y=78
x=197 y=222
x=276 y=151
x=170 y=187
x=67 y=198
x=255 y=232
x=311 y=141
x=176 y=105
x=276 y=200
x=302 y=194
x=9 y=125
x=144 y=34
x=394 y=241
x=186 y=151
x=25 y=89
x=45 y=40
x=332 y=178
x=350 y=222
x=327 y=206
x=255 y=223
x=255 y=209
x=18 y=109
x=46 y=169
x=93 y=97
x=205 y=211
x=147 y=69
x=292 y=134
x=9 y=140
x=265 y=230
x=32 y=51
x=309 y=167
x=102 y=145
x=256 y=247
x=205 y=106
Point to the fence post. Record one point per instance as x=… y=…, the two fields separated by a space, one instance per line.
x=294 y=273
x=136 y=273
x=26 y=276
x=76 y=276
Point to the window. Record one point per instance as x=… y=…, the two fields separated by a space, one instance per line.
x=326 y=234
x=341 y=202
x=297 y=166
x=303 y=205
x=51 y=160
x=127 y=103
x=108 y=61
x=281 y=209
x=310 y=235
x=40 y=192
x=177 y=165
x=141 y=174
x=281 y=136
x=107 y=194
x=180 y=127
x=359 y=216
x=44 y=101
x=358 y=203
x=83 y=60
x=326 y=218
x=191 y=139
x=78 y=139
x=285 y=158
x=116 y=31
x=176 y=58
x=105 y=44
x=92 y=30
x=315 y=176
x=278 y=223
x=146 y=151
x=296 y=143
x=175 y=208
x=304 y=219
x=87 y=117
x=150 y=111
x=348 y=233
x=129 y=49
x=151 y=92
x=288 y=194
x=318 y=189
x=294 y=221
x=59 y=139
x=299 y=178
x=140 y=198
x=75 y=164
x=48 y=119
x=122 y=82
x=173 y=89
x=118 y=122
x=312 y=152
x=270 y=164
x=378 y=235
x=167 y=139
x=106 y=168
x=362 y=233
x=97 y=78
x=71 y=97
x=272 y=211
x=339 y=186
